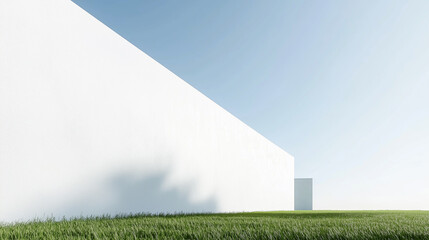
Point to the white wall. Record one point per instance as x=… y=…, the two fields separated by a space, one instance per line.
x=89 y=124
x=303 y=194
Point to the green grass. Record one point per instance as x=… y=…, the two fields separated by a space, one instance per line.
x=257 y=225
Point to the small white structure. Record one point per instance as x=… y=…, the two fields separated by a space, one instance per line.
x=90 y=125
x=303 y=194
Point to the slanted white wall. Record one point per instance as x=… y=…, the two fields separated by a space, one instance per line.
x=303 y=194
x=89 y=124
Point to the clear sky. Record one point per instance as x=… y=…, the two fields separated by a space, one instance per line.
x=343 y=86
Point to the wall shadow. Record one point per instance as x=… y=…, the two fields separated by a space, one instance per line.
x=130 y=195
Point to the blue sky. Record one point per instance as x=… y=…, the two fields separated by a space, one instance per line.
x=341 y=85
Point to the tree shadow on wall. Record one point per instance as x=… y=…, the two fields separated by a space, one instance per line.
x=128 y=195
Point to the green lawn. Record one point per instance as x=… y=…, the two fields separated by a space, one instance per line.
x=258 y=225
